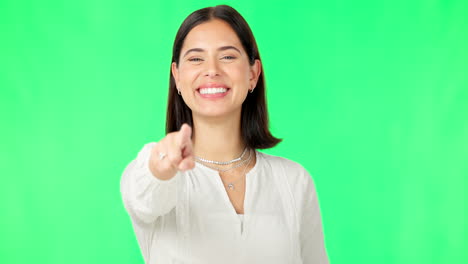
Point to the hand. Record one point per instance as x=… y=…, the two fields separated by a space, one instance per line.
x=178 y=148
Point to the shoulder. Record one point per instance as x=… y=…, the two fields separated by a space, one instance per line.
x=293 y=172
x=290 y=167
x=144 y=153
x=294 y=175
x=146 y=149
x=148 y=146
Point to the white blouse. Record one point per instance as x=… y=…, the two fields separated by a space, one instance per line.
x=190 y=219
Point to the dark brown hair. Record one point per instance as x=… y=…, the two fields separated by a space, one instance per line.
x=254 y=116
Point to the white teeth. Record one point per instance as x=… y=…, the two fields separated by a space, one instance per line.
x=212 y=90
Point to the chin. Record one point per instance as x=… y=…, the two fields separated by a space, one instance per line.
x=214 y=113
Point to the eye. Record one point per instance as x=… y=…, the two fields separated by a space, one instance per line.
x=229 y=57
x=195 y=59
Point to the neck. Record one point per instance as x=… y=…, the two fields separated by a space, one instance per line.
x=217 y=138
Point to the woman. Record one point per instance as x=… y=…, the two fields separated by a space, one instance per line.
x=203 y=193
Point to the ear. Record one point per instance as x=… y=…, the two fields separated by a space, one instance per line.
x=175 y=72
x=255 y=71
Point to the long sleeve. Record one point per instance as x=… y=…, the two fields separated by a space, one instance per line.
x=312 y=240
x=146 y=197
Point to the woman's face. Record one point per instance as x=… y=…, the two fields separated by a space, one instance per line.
x=214 y=74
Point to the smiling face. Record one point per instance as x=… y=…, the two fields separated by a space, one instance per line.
x=214 y=74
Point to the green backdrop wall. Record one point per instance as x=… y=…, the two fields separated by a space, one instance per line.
x=370 y=96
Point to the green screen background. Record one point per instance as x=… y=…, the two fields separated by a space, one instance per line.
x=370 y=96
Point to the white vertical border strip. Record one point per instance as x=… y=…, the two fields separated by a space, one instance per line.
x=290 y=205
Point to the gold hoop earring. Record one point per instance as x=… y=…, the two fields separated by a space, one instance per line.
x=251 y=91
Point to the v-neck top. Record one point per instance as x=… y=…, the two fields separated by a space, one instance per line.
x=190 y=219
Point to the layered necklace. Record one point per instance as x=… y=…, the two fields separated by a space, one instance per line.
x=237 y=162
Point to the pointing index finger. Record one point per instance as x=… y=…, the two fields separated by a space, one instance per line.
x=185 y=134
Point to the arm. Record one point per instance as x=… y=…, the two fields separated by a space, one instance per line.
x=312 y=241
x=146 y=197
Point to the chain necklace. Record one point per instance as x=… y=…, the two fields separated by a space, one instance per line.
x=231 y=185
x=222 y=162
x=233 y=167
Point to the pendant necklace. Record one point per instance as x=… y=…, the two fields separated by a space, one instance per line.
x=230 y=185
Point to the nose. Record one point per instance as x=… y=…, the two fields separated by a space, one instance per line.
x=212 y=68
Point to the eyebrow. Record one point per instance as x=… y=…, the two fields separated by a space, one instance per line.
x=219 y=49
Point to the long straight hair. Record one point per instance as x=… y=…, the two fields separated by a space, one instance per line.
x=254 y=115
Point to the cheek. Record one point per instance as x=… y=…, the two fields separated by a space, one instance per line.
x=187 y=76
x=239 y=75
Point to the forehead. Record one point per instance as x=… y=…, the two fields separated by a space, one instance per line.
x=213 y=33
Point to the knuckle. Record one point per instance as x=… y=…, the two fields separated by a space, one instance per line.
x=173 y=159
